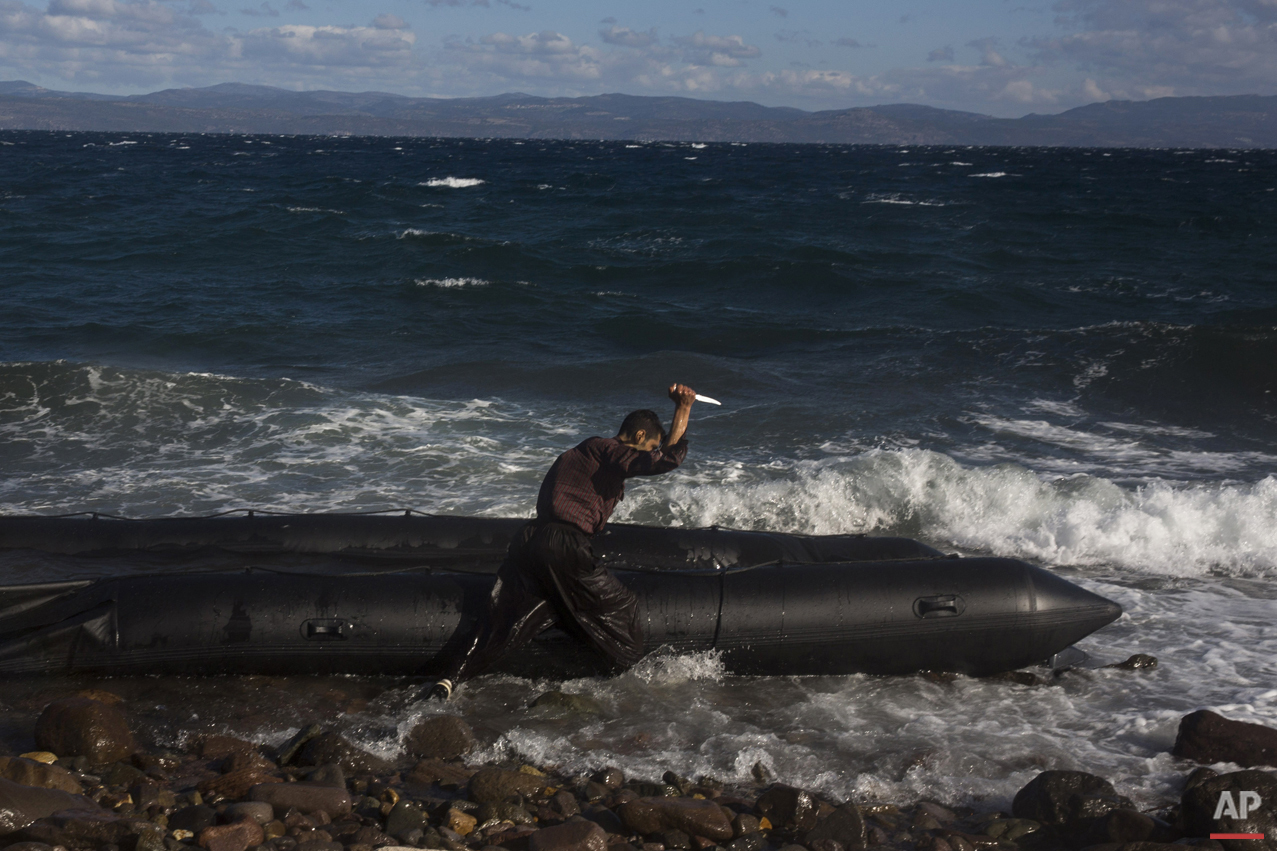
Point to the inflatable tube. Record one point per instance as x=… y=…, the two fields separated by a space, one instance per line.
x=768 y=603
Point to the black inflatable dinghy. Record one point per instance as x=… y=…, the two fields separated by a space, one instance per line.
x=334 y=593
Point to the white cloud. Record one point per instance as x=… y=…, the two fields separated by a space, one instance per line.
x=149 y=44
x=388 y=21
x=723 y=50
x=1147 y=48
x=627 y=37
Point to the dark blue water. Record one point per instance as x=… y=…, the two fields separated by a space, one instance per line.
x=1061 y=354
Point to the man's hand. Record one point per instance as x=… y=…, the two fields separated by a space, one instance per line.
x=682 y=395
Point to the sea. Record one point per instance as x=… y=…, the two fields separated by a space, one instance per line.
x=1063 y=355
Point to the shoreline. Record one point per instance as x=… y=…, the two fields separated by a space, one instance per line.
x=96 y=787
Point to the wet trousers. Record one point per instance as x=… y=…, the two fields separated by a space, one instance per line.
x=550 y=577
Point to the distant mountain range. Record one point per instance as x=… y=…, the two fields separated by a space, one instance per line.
x=1242 y=121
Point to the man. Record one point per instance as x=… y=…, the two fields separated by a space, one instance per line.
x=550 y=575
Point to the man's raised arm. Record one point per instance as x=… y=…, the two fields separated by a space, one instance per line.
x=683 y=397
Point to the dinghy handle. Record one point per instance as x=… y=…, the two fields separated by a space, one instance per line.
x=325 y=629
x=942 y=606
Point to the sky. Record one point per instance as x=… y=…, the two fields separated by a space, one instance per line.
x=999 y=57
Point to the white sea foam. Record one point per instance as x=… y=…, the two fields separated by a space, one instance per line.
x=451 y=283
x=896 y=198
x=152 y=443
x=1160 y=528
x=453 y=182
x=990 y=174
x=315 y=210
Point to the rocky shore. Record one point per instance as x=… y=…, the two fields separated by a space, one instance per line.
x=93 y=786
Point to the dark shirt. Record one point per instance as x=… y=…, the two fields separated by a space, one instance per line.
x=586 y=482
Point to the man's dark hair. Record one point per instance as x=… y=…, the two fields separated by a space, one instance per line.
x=645 y=421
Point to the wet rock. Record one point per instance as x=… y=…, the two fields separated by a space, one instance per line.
x=565 y=703
x=237 y=836
x=1200 y=804
x=751 y=842
x=291 y=748
x=78 y=726
x=257 y=811
x=148 y=794
x=441 y=737
x=564 y=804
x=1199 y=776
x=676 y=840
x=370 y=836
x=122 y=774
x=194 y=818
x=304 y=797
x=496 y=784
x=845 y=825
x=944 y=815
x=744 y=823
x=826 y=845
x=696 y=817
x=84 y=830
x=1206 y=736
x=233 y=785
x=1140 y=661
x=220 y=747
x=244 y=761
x=403 y=817
x=328 y=775
x=502 y=811
x=682 y=784
x=610 y=777
x=1123 y=826
x=445 y=774
x=29 y=772
x=570 y=836
x=1067 y=800
x=592 y=791
x=331 y=748
x=319 y=844
x=605 y=818
x=785 y=806
x=21 y=805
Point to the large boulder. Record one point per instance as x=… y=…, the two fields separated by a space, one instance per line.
x=332 y=748
x=785 y=806
x=237 y=836
x=690 y=815
x=303 y=797
x=21 y=805
x=28 y=772
x=82 y=830
x=79 y=726
x=1223 y=795
x=1069 y=801
x=569 y=836
x=441 y=737
x=845 y=825
x=496 y=784
x=1205 y=736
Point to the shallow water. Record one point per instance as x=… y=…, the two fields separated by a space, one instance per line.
x=1073 y=362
